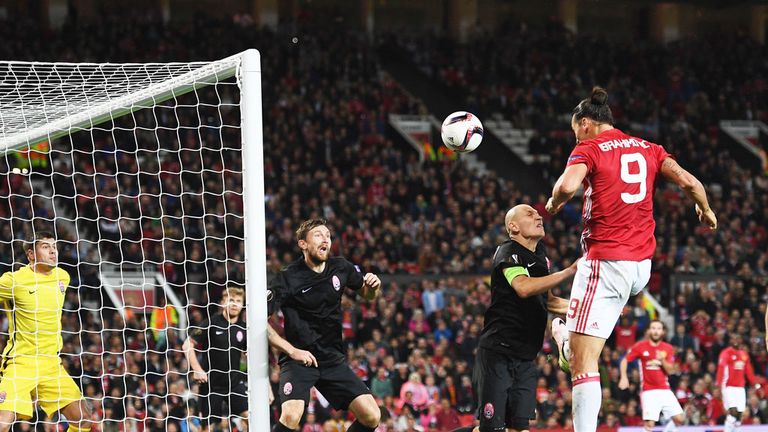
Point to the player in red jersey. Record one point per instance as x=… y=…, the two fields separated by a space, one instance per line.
x=657 y=361
x=732 y=367
x=619 y=174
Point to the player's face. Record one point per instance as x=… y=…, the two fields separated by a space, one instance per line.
x=735 y=340
x=530 y=223
x=45 y=252
x=233 y=305
x=581 y=128
x=656 y=331
x=317 y=244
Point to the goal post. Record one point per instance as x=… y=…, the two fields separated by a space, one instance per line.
x=155 y=171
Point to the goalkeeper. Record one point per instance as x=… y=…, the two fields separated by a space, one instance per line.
x=33 y=296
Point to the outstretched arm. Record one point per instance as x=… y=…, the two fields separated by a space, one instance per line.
x=527 y=286
x=693 y=188
x=566 y=186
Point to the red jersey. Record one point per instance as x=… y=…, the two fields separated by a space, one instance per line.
x=653 y=374
x=732 y=365
x=618 y=195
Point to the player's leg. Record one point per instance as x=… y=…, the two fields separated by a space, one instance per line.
x=367 y=414
x=672 y=410
x=651 y=402
x=491 y=379
x=57 y=391
x=735 y=399
x=345 y=390
x=562 y=340
x=600 y=292
x=18 y=377
x=295 y=382
x=521 y=396
x=78 y=416
x=238 y=402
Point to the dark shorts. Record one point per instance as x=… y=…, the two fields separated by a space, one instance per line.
x=212 y=401
x=506 y=391
x=338 y=384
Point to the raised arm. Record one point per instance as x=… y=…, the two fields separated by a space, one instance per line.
x=692 y=188
x=566 y=187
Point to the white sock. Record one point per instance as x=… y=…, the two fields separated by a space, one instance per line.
x=670 y=426
x=730 y=423
x=587 y=398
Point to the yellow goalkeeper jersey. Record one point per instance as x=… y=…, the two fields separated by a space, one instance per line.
x=34 y=303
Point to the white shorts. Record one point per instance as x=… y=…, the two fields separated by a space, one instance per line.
x=655 y=402
x=735 y=397
x=600 y=292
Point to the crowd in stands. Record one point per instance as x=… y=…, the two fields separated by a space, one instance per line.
x=427 y=225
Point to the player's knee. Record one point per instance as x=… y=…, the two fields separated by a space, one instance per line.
x=370 y=415
x=679 y=419
x=291 y=413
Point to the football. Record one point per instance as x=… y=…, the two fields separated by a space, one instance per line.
x=462 y=132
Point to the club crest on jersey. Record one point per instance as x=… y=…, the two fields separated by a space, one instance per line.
x=488 y=410
x=62 y=287
x=239 y=336
x=287 y=388
x=336 y=282
x=2 y=396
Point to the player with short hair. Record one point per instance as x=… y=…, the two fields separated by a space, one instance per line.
x=619 y=173
x=31 y=368
x=222 y=341
x=505 y=374
x=733 y=366
x=309 y=293
x=657 y=362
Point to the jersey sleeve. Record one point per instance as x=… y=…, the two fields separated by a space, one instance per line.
x=660 y=153
x=354 y=276
x=583 y=154
x=274 y=293
x=6 y=286
x=670 y=353
x=64 y=278
x=632 y=354
x=721 y=365
x=512 y=266
x=200 y=335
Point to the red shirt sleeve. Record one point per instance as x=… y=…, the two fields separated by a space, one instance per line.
x=632 y=353
x=585 y=154
x=670 y=353
x=721 y=363
x=661 y=154
x=750 y=371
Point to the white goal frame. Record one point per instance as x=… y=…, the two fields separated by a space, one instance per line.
x=67 y=119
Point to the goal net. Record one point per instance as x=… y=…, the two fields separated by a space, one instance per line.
x=150 y=177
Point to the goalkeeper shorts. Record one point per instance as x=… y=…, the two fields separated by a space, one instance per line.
x=24 y=380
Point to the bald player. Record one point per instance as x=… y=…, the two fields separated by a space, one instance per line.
x=505 y=374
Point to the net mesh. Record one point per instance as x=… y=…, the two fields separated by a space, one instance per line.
x=147 y=210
